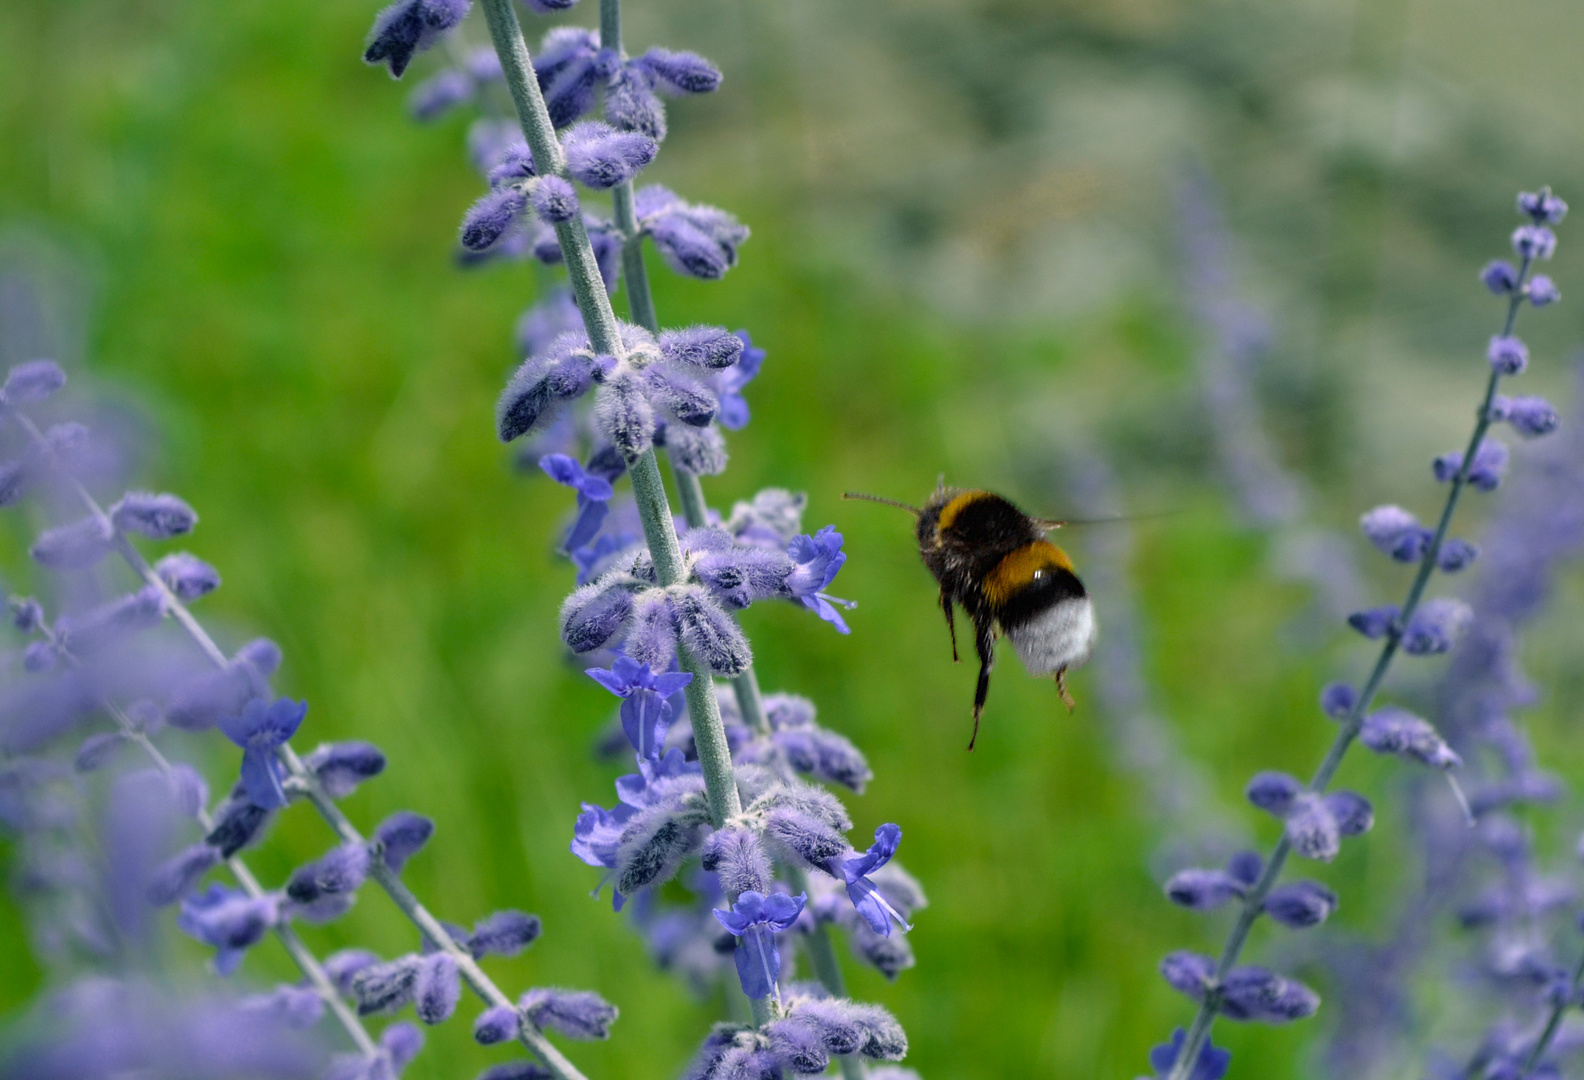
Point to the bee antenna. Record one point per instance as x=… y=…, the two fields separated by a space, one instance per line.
x=915 y=511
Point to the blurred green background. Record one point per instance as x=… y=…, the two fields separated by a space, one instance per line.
x=964 y=261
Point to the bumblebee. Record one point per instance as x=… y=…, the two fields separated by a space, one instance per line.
x=994 y=561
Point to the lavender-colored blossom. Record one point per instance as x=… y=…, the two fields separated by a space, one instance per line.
x=1531 y=417
x=341 y=767
x=1374 y=622
x=1211 y=1065
x=1259 y=994
x=1317 y=823
x=31 y=381
x=601 y=157
x=258 y=730
x=385 y=987
x=1203 y=890
x=569 y=65
x=645 y=713
x=1456 y=555
x=687 y=399
x=188 y=576
x=1337 y=700
x=229 y=920
x=699 y=241
x=436 y=988
x=754 y=920
x=683 y=72
x=401 y=836
x=709 y=634
x=1300 y=904
x=178 y=875
x=1485 y=471
x=738 y=576
x=740 y=860
x=503 y=933
x=593 y=492
x=1542 y=206
x=488 y=219
x=1499 y=277
x=1396 y=731
x=697 y=451
x=341 y=870
x=729 y=384
x=514 y=162
x=1188 y=973
x=554 y=200
x=1436 y=626
x=1534 y=242
x=1396 y=532
x=707 y=347
x=495 y=1025
x=1541 y=291
x=818 y=558
x=76 y=546
x=159 y=517
x=577 y=1014
x=1507 y=355
x=597 y=612
x=631 y=103
x=440 y=93
x=408 y=27
x=854 y=872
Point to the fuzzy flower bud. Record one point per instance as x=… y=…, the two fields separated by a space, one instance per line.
x=188 y=576
x=437 y=988
x=601 y=157
x=554 y=200
x=1396 y=532
x=1507 y=355
x=1300 y=904
x=159 y=517
x=1436 y=626
x=32 y=381
x=577 y=1014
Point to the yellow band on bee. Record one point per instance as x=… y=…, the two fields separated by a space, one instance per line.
x=1016 y=571
x=950 y=511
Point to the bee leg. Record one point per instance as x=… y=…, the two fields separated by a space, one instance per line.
x=1062 y=691
x=951 y=624
x=985 y=644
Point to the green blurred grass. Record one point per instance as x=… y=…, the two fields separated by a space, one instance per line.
x=271 y=243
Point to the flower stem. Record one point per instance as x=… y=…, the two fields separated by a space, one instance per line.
x=1553 y=1022
x=1253 y=903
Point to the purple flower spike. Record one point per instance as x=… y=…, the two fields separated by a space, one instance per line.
x=869 y=901
x=408 y=27
x=1544 y=207
x=258 y=731
x=488 y=219
x=1456 y=554
x=32 y=381
x=1396 y=731
x=554 y=200
x=1396 y=532
x=645 y=713
x=1541 y=291
x=818 y=558
x=1534 y=242
x=1500 y=277
x=229 y=920
x=1436 y=626
x=1374 y=622
x=1300 y=904
x=1212 y=1063
x=754 y=920
x=601 y=157
x=1203 y=890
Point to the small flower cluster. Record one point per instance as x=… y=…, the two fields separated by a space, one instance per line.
x=104 y=662
x=1315 y=821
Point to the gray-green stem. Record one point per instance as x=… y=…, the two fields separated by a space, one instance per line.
x=1253 y=903
x=481 y=984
